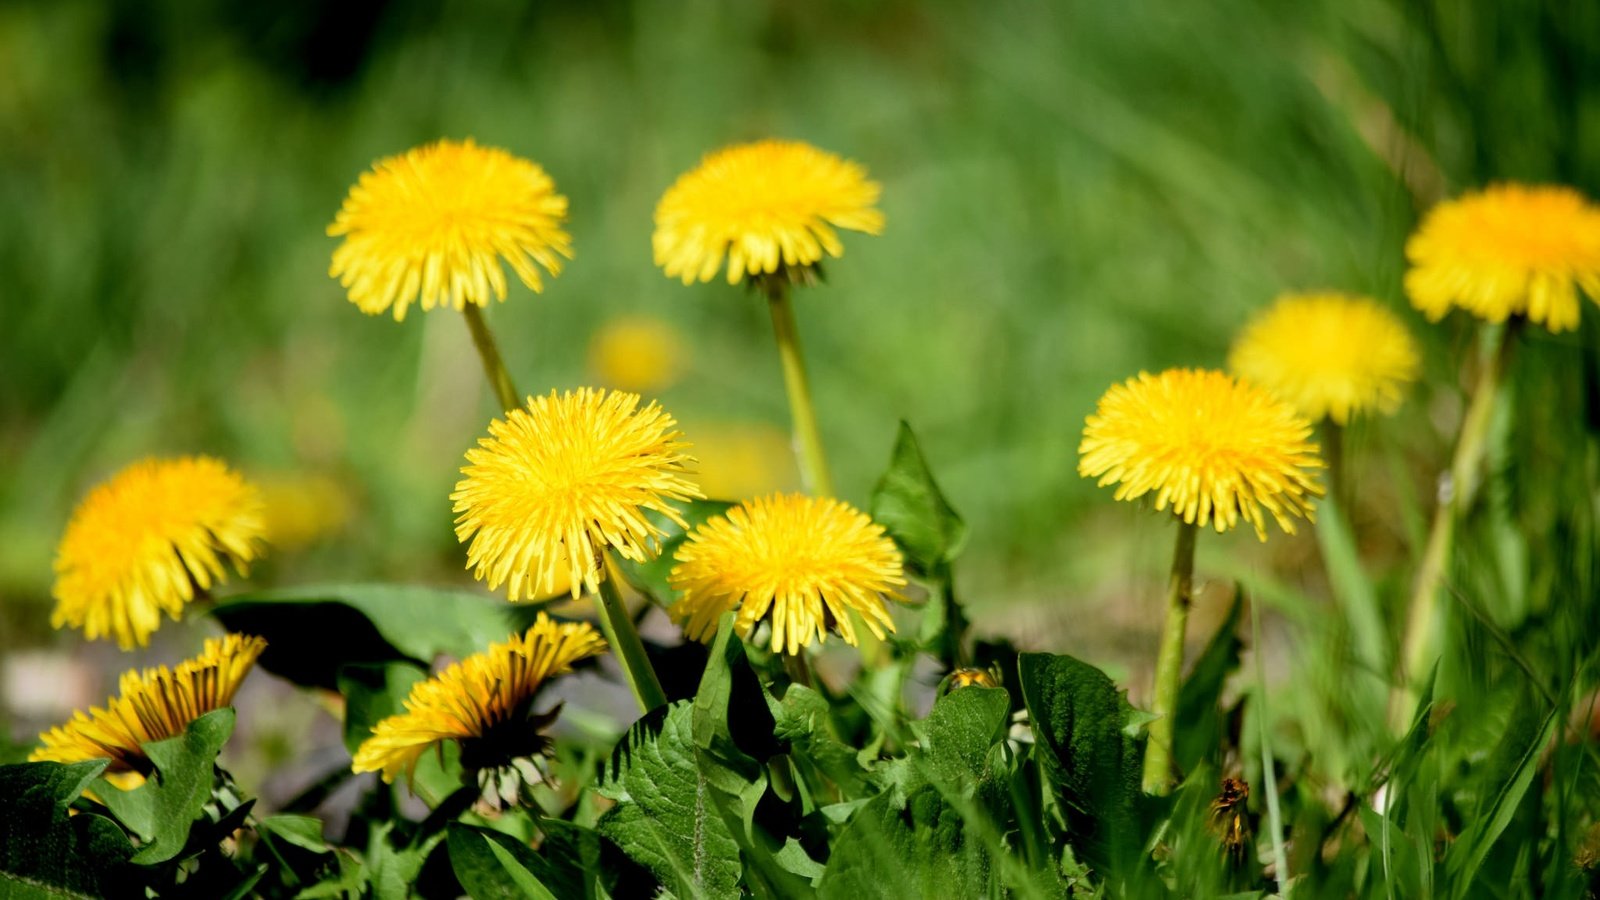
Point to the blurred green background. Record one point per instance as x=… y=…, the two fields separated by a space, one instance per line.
x=1075 y=191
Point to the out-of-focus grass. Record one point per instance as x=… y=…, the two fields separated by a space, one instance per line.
x=1074 y=192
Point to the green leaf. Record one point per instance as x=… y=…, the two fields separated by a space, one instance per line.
x=665 y=817
x=372 y=693
x=313 y=631
x=1199 y=724
x=494 y=866
x=1510 y=770
x=1078 y=717
x=161 y=810
x=959 y=732
x=44 y=852
x=907 y=502
x=923 y=850
x=304 y=832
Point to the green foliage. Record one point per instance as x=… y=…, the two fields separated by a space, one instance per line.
x=907 y=502
x=161 y=810
x=45 y=852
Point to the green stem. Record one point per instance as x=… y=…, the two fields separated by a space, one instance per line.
x=1169 y=664
x=493 y=366
x=624 y=640
x=1420 y=643
x=807 y=437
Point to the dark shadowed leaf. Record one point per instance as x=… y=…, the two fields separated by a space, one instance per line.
x=44 y=852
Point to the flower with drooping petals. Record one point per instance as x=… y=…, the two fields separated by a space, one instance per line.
x=438 y=221
x=1214 y=449
x=761 y=205
x=803 y=563
x=1507 y=250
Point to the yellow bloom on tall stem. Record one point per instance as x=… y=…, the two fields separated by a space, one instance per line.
x=153 y=705
x=1215 y=450
x=561 y=480
x=485 y=702
x=802 y=563
x=436 y=223
x=761 y=205
x=1332 y=356
x=1507 y=250
x=144 y=542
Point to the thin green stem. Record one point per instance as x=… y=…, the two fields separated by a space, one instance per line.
x=1169 y=664
x=807 y=437
x=624 y=640
x=493 y=366
x=1456 y=495
x=1269 y=774
x=1333 y=454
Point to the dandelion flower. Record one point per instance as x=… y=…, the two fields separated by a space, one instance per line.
x=1507 y=250
x=809 y=561
x=636 y=353
x=153 y=705
x=761 y=205
x=1331 y=355
x=484 y=701
x=143 y=542
x=562 y=479
x=1214 y=449
x=438 y=221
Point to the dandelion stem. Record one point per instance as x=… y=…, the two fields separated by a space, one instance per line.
x=807 y=437
x=1169 y=664
x=1456 y=495
x=624 y=639
x=493 y=366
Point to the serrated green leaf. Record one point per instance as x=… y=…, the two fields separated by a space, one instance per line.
x=959 y=732
x=162 y=810
x=44 y=852
x=907 y=502
x=924 y=850
x=314 y=631
x=665 y=817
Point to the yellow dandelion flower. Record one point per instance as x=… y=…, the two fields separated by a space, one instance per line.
x=302 y=509
x=636 y=353
x=140 y=544
x=1215 y=449
x=437 y=221
x=1507 y=250
x=1331 y=355
x=484 y=701
x=563 y=479
x=153 y=705
x=809 y=561
x=761 y=205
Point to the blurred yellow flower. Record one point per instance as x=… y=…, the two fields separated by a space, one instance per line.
x=636 y=353
x=301 y=509
x=438 y=220
x=761 y=205
x=808 y=561
x=1507 y=250
x=743 y=459
x=1214 y=449
x=484 y=701
x=562 y=479
x=141 y=543
x=153 y=705
x=1331 y=355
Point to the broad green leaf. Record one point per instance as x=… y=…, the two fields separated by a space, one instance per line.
x=923 y=850
x=907 y=502
x=665 y=817
x=44 y=852
x=959 y=732
x=1198 y=727
x=304 y=832
x=803 y=720
x=731 y=713
x=313 y=631
x=161 y=810
x=494 y=866
x=1078 y=717
x=372 y=693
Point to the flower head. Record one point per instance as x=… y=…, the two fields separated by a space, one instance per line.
x=140 y=544
x=1507 y=250
x=561 y=480
x=1215 y=449
x=153 y=705
x=761 y=205
x=1331 y=355
x=438 y=221
x=636 y=353
x=484 y=701
x=809 y=561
